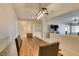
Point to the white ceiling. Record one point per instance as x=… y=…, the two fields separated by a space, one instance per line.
x=28 y=11
x=66 y=18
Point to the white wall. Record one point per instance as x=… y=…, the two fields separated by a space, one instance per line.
x=61 y=25
x=25 y=26
x=8 y=24
x=3 y=22
x=8 y=21
x=37 y=28
x=12 y=21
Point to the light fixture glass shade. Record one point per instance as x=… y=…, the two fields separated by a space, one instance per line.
x=40 y=16
x=42 y=12
x=75 y=21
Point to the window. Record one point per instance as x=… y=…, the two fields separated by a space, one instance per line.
x=75 y=29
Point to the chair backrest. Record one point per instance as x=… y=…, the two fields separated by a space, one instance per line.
x=19 y=41
x=49 y=50
x=29 y=35
x=17 y=46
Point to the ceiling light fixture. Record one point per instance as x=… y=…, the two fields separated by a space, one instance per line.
x=42 y=12
x=75 y=21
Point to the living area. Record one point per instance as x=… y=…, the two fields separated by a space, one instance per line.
x=54 y=33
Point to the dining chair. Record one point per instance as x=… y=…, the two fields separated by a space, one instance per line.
x=17 y=46
x=29 y=35
x=18 y=43
x=49 y=50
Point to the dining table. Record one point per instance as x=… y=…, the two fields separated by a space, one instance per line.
x=30 y=46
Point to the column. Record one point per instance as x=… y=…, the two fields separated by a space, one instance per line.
x=70 y=28
x=45 y=31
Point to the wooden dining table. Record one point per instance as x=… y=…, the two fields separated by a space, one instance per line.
x=30 y=46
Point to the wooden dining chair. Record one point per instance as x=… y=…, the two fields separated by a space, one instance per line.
x=18 y=43
x=49 y=50
x=29 y=35
x=17 y=46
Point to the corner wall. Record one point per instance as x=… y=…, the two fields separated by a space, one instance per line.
x=8 y=26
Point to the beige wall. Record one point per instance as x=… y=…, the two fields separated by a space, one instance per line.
x=25 y=27
x=37 y=28
x=8 y=25
x=8 y=21
x=3 y=22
